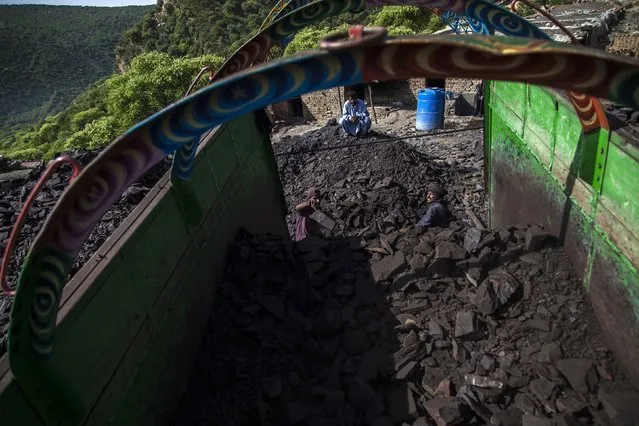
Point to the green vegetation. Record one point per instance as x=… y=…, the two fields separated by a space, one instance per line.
x=159 y=57
x=153 y=81
x=195 y=27
x=50 y=54
x=398 y=20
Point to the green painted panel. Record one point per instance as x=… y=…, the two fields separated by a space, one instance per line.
x=621 y=185
x=14 y=408
x=203 y=183
x=221 y=133
x=222 y=159
x=175 y=282
x=244 y=135
x=631 y=150
x=542 y=114
x=134 y=333
x=91 y=339
x=514 y=95
x=149 y=267
x=601 y=238
x=567 y=137
x=539 y=130
x=179 y=323
x=116 y=392
x=501 y=107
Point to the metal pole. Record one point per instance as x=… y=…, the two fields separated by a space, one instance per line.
x=339 y=98
x=370 y=96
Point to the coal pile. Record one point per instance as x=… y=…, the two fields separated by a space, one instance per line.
x=8 y=165
x=381 y=188
x=439 y=327
x=15 y=192
x=625 y=114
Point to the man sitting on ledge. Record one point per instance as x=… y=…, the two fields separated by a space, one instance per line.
x=355 y=119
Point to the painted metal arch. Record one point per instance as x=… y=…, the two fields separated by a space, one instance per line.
x=482 y=17
x=33 y=318
x=488 y=16
x=484 y=14
x=286 y=19
x=254 y=51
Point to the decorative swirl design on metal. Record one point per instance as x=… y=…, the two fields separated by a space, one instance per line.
x=312 y=13
x=292 y=5
x=99 y=186
x=246 y=55
x=54 y=267
x=589 y=110
x=477 y=26
x=298 y=14
x=502 y=20
x=480 y=17
x=281 y=9
x=491 y=15
x=184 y=160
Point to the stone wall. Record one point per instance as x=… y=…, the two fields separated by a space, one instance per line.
x=325 y=104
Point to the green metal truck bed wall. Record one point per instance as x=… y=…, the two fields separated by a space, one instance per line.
x=535 y=150
x=132 y=319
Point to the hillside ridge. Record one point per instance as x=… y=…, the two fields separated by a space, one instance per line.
x=51 y=54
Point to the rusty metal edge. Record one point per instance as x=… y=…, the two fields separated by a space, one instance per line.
x=85 y=277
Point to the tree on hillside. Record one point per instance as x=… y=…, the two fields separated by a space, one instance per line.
x=50 y=54
x=404 y=20
x=398 y=20
x=107 y=109
x=195 y=27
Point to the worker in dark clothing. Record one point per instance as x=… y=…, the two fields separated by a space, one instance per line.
x=437 y=214
x=305 y=225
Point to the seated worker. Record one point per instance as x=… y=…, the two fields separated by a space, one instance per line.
x=304 y=224
x=437 y=214
x=355 y=119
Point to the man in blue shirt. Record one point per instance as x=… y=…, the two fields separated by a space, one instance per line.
x=355 y=119
x=437 y=214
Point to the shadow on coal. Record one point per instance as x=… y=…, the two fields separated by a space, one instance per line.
x=300 y=334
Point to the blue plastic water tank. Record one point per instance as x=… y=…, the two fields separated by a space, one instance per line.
x=430 y=108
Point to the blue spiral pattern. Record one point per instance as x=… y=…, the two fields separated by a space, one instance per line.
x=311 y=13
x=478 y=27
x=54 y=267
x=502 y=20
x=184 y=160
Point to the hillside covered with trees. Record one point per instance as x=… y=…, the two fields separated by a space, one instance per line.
x=159 y=56
x=198 y=27
x=195 y=27
x=50 y=54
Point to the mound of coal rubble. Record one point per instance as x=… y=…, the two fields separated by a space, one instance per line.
x=384 y=331
x=15 y=192
x=380 y=187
